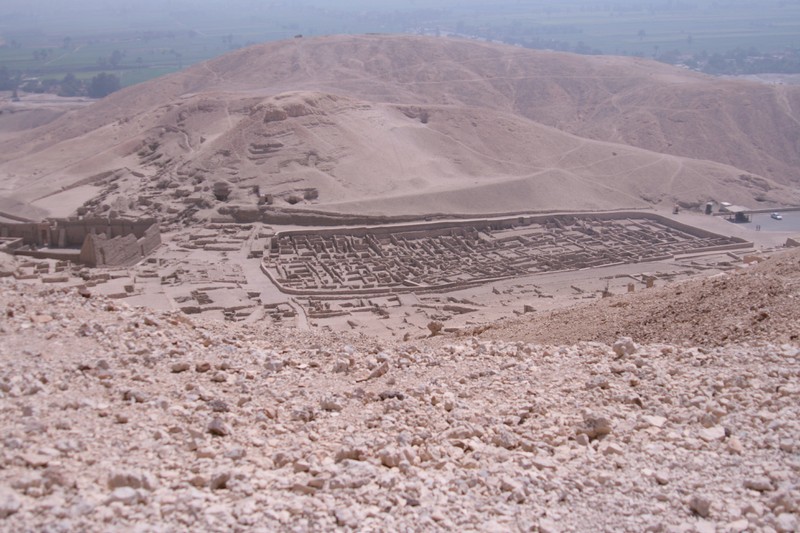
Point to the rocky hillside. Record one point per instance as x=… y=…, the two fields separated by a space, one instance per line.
x=375 y=124
x=125 y=419
x=759 y=303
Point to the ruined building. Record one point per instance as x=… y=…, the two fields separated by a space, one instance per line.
x=95 y=242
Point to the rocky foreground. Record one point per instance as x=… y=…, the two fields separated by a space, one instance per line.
x=123 y=419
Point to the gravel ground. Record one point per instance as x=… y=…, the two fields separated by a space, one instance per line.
x=129 y=420
x=760 y=302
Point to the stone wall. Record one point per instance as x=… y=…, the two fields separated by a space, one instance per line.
x=9 y=244
x=98 y=250
x=430 y=228
x=150 y=240
x=93 y=241
x=443 y=256
x=66 y=233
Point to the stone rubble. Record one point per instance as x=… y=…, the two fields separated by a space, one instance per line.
x=129 y=419
x=758 y=302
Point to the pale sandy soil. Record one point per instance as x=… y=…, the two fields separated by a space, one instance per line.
x=33 y=110
x=759 y=303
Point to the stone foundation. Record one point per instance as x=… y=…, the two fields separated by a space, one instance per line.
x=445 y=256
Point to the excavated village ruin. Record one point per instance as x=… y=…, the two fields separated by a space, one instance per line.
x=403 y=275
x=445 y=257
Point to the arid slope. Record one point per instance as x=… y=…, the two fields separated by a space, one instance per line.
x=759 y=303
x=126 y=419
x=379 y=123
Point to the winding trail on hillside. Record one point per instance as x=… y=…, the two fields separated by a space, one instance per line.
x=188 y=142
x=783 y=103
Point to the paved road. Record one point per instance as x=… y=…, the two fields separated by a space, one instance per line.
x=790 y=222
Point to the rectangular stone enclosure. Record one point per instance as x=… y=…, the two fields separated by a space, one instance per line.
x=448 y=256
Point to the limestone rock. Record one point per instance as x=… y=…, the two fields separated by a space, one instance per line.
x=9 y=502
x=125 y=495
x=332 y=403
x=734 y=446
x=341 y=366
x=700 y=505
x=133 y=479
x=390 y=457
x=712 y=434
x=787 y=523
x=547 y=525
x=760 y=484
x=624 y=346
x=219 y=406
x=379 y=371
x=180 y=367
x=218 y=427
x=505 y=439
x=611 y=448
x=220 y=481
x=655 y=421
x=595 y=426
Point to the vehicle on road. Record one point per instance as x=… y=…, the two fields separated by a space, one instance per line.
x=776 y=216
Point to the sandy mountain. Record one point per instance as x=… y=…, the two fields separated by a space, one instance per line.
x=387 y=125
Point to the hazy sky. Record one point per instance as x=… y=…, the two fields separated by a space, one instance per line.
x=53 y=37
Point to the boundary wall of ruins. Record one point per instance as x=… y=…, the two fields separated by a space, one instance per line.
x=377 y=291
x=430 y=229
x=309 y=217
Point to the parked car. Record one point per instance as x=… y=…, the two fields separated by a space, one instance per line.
x=777 y=216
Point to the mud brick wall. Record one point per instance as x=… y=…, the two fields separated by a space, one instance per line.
x=30 y=233
x=150 y=240
x=100 y=250
x=446 y=255
x=102 y=242
x=66 y=233
x=77 y=230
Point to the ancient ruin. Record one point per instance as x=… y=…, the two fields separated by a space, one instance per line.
x=451 y=256
x=94 y=242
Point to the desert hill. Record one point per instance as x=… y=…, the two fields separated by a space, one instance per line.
x=380 y=123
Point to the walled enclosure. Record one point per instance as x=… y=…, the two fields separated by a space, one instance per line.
x=446 y=256
x=93 y=242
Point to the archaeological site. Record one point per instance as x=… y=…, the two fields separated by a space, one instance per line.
x=403 y=283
